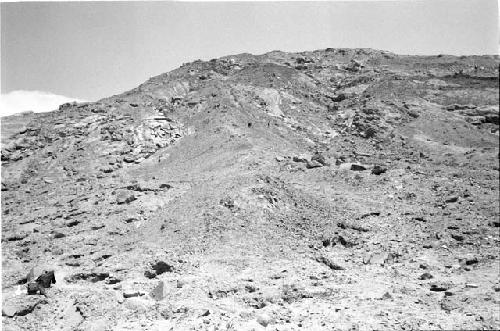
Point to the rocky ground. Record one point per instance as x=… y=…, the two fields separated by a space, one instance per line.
x=340 y=189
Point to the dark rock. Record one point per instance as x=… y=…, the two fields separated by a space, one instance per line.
x=318 y=157
x=378 y=170
x=58 y=235
x=300 y=158
x=495 y=224
x=227 y=202
x=131 y=294
x=375 y=213
x=129 y=159
x=425 y=276
x=358 y=167
x=45 y=280
x=106 y=169
x=338 y=98
x=130 y=219
x=457 y=237
x=158 y=268
x=338 y=240
x=92 y=277
x=17 y=236
x=313 y=164
x=344 y=225
x=439 y=287
x=451 y=199
x=329 y=263
x=471 y=261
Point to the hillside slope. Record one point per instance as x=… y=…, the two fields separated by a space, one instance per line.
x=336 y=189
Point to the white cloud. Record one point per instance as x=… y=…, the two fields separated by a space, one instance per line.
x=20 y=101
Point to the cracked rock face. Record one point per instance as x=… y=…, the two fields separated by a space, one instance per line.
x=347 y=187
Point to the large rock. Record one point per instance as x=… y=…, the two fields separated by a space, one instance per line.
x=21 y=305
x=158 y=293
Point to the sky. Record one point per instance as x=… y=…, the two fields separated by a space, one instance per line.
x=90 y=50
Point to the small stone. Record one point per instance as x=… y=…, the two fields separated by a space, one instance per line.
x=205 y=312
x=471 y=285
x=300 y=158
x=425 y=276
x=158 y=268
x=318 y=157
x=313 y=164
x=457 y=237
x=119 y=298
x=129 y=293
x=451 y=199
x=264 y=319
x=378 y=170
x=329 y=263
x=438 y=287
x=17 y=236
x=471 y=261
x=357 y=167
x=129 y=159
x=124 y=197
x=58 y=235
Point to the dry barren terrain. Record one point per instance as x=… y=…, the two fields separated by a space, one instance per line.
x=340 y=189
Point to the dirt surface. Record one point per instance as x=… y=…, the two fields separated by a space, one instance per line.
x=340 y=189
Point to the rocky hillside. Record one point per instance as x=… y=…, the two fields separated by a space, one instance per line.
x=346 y=189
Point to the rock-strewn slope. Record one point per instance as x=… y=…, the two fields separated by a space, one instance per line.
x=334 y=189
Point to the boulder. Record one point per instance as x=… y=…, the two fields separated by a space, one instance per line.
x=158 y=293
x=43 y=281
x=20 y=305
x=300 y=159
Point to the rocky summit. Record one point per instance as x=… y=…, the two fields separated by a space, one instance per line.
x=339 y=189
